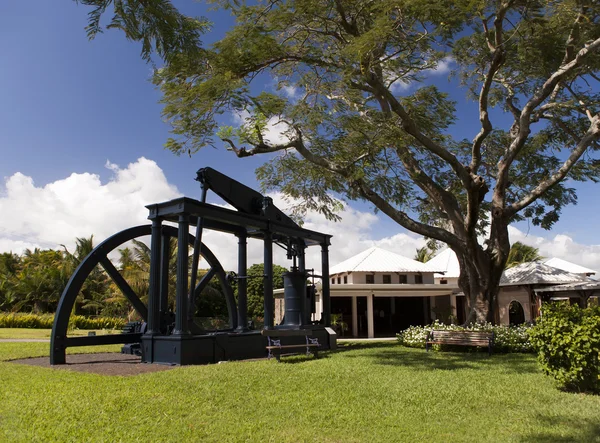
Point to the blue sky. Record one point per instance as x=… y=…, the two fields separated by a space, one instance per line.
x=68 y=105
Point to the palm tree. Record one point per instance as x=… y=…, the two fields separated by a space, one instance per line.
x=522 y=253
x=424 y=254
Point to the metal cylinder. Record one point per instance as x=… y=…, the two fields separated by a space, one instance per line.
x=294 y=291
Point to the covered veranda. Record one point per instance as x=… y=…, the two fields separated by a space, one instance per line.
x=380 y=310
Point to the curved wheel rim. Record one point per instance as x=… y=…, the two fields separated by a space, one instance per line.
x=99 y=256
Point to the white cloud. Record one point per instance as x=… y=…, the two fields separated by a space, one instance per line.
x=79 y=205
x=561 y=246
x=442 y=67
x=290 y=91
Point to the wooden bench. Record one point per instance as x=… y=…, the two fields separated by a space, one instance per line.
x=460 y=338
x=276 y=349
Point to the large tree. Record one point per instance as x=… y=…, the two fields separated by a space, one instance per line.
x=354 y=132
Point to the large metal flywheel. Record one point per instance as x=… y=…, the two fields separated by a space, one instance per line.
x=99 y=256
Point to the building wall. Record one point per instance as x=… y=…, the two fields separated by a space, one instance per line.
x=509 y=293
x=450 y=280
x=361 y=277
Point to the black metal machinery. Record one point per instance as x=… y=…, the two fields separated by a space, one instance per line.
x=175 y=339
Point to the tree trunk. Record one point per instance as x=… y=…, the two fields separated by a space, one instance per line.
x=479 y=280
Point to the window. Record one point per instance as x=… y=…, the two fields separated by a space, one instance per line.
x=370 y=279
x=403 y=279
x=418 y=279
x=387 y=279
x=339 y=280
x=443 y=282
x=345 y=279
x=333 y=281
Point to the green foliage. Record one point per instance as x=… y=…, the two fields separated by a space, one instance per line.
x=567 y=339
x=506 y=338
x=21 y=320
x=45 y=321
x=256 y=301
x=157 y=24
x=522 y=253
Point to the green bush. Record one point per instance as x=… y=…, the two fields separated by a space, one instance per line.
x=45 y=321
x=567 y=339
x=20 y=320
x=506 y=338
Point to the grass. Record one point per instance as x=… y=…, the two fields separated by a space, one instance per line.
x=45 y=333
x=364 y=392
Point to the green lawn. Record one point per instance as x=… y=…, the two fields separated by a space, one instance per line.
x=365 y=392
x=45 y=333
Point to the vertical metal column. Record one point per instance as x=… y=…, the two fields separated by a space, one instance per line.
x=165 y=255
x=268 y=280
x=326 y=299
x=305 y=318
x=155 y=278
x=181 y=308
x=242 y=282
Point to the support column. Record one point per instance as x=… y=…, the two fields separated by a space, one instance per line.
x=242 y=282
x=370 y=317
x=354 y=316
x=181 y=308
x=305 y=318
x=268 y=280
x=453 y=306
x=155 y=278
x=165 y=255
x=325 y=294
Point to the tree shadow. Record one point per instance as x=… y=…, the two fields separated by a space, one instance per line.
x=391 y=354
x=578 y=429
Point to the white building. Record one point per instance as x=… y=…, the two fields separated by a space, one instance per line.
x=379 y=293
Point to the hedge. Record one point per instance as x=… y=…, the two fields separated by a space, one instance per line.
x=567 y=339
x=506 y=338
x=45 y=321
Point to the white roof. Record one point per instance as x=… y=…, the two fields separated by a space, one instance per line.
x=533 y=273
x=559 y=263
x=379 y=260
x=568 y=287
x=446 y=261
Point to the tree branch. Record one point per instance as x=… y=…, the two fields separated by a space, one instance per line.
x=497 y=50
x=404 y=220
x=591 y=136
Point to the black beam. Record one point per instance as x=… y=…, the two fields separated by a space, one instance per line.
x=302 y=268
x=181 y=293
x=325 y=295
x=109 y=339
x=226 y=217
x=268 y=280
x=165 y=259
x=155 y=278
x=129 y=293
x=242 y=283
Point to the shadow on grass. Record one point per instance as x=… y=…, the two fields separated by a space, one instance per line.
x=392 y=354
x=578 y=430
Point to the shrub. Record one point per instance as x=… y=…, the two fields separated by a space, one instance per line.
x=45 y=321
x=567 y=339
x=506 y=338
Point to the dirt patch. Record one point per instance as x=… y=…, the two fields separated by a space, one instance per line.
x=108 y=363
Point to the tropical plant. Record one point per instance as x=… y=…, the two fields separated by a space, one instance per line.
x=522 y=253
x=424 y=254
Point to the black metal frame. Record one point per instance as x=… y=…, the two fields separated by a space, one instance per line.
x=255 y=217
